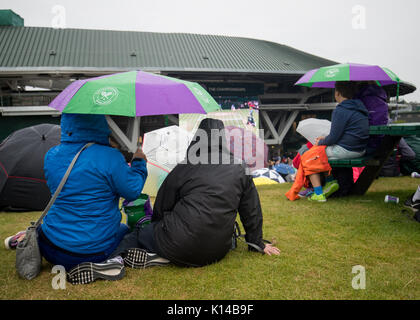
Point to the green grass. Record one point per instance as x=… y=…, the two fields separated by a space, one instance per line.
x=320 y=243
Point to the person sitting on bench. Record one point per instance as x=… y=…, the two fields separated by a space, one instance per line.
x=375 y=100
x=348 y=136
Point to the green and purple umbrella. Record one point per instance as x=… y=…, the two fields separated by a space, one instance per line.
x=326 y=77
x=133 y=94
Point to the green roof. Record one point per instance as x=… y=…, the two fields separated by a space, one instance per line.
x=39 y=48
x=9 y=18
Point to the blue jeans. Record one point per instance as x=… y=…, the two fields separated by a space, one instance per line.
x=336 y=152
x=57 y=256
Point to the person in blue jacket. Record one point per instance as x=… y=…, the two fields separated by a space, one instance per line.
x=83 y=227
x=349 y=133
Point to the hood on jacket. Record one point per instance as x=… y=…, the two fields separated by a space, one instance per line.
x=205 y=130
x=83 y=128
x=372 y=91
x=354 y=104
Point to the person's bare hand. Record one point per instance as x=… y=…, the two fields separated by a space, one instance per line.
x=139 y=154
x=270 y=249
x=318 y=139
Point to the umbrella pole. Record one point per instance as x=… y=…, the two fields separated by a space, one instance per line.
x=127 y=142
x=398 y=98
x=133 y=130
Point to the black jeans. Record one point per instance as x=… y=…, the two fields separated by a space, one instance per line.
x=140 y=237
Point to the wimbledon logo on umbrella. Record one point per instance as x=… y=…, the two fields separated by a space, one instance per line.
x=105 y=96
x=330 y=73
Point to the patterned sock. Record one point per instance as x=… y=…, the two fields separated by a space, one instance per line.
x=416 y=196
x=318 y=190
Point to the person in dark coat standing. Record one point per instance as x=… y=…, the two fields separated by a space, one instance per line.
x=196 y=207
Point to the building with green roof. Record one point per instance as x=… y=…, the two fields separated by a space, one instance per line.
x=228 y=67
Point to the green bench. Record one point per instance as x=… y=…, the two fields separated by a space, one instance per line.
x=392 y=134
x=357 y=162
x=397 y=129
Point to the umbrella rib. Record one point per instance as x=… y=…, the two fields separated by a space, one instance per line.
x=36 y=132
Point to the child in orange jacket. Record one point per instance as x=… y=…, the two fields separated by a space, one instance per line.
x=313 y=162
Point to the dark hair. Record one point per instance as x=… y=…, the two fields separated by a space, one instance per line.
x=347 y=89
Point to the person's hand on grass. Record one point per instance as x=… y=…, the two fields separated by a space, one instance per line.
x=270 y=249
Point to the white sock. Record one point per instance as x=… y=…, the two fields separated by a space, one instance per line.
x=416 y=195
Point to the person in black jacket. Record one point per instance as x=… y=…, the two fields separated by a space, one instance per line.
x=196 y=207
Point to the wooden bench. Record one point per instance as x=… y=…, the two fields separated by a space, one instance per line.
x=392 y=134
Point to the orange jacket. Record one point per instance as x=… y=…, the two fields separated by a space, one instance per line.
x=314 y=160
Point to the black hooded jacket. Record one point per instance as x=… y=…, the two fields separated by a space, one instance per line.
x=196 y=206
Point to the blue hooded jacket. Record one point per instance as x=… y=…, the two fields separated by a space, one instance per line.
x=85 y=217
x=349 y=126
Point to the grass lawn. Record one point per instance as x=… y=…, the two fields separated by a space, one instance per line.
x=320 y=244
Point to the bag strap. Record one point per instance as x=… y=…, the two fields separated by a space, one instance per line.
x=60 y=186
x=238 y=235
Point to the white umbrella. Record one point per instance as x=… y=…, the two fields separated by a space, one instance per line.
x=313 y=128
x=164 y=148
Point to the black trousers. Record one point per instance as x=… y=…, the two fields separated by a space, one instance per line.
x=141 y=237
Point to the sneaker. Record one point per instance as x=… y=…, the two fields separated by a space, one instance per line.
x=415 y=175
x=330 y=188
x=11 y=242
x=87 y=272
x=139 y=258
x=413 y=205
x=306 y=193
x=317 y=198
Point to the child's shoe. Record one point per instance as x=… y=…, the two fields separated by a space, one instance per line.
x=330 y=188
x=306 y=193
x=317 y=197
